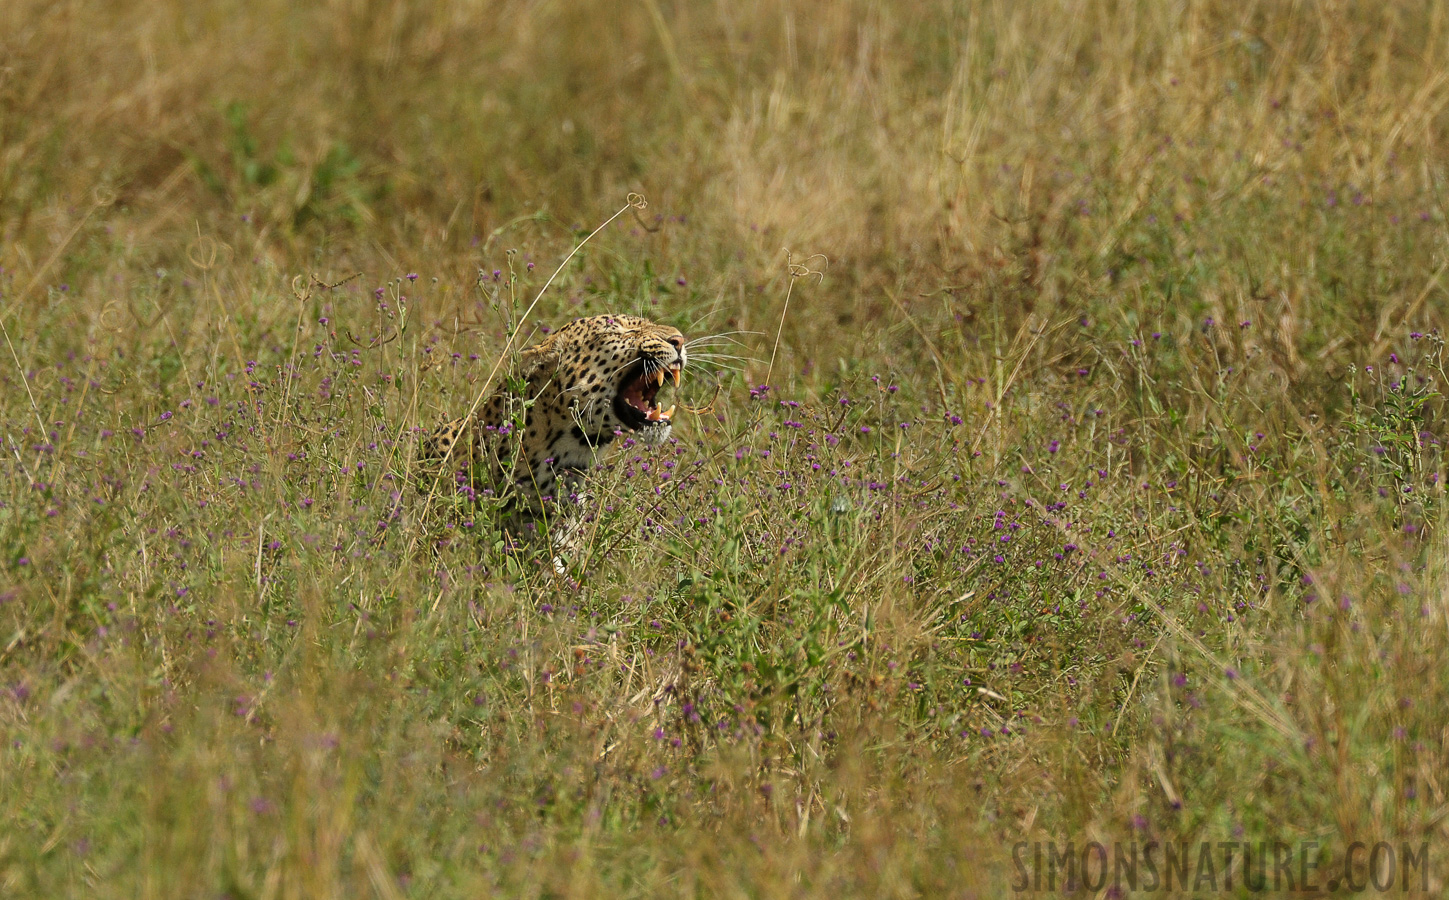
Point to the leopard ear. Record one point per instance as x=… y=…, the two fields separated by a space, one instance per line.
x=539 y=353
x=537 y=359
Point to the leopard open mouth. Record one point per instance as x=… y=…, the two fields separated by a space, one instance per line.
x=636 y=404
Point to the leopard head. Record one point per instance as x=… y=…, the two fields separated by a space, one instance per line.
x=609 y=371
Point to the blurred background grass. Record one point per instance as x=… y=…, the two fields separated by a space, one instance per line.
x=1096 y=496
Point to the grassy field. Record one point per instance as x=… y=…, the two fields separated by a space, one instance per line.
x=1076 y=473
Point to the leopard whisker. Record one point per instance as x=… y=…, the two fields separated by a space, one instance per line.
x=621 y=368
x=717 y=334
x=704 y=348
x=722 y=367
x=705 y=357
x=710 y=339
x=700 y=320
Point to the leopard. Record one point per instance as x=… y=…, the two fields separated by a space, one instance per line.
x=534 y=438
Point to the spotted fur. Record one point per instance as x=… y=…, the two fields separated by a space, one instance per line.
x=565 y=402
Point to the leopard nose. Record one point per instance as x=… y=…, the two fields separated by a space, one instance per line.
x=678 y=341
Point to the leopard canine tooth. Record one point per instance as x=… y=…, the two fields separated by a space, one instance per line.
x=659 y=378
x=675 y=372
x=668 y=413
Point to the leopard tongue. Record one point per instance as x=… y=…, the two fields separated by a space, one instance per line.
x=638 y=395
